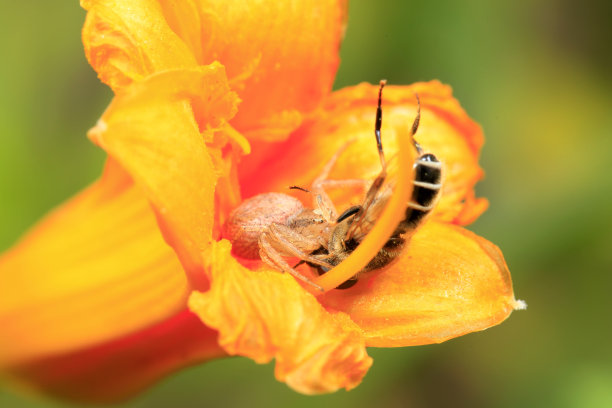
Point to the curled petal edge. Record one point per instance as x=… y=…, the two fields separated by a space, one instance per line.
x=158 y=129
x=264 y=314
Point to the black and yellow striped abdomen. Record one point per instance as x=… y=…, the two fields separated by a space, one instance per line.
x=427 y=184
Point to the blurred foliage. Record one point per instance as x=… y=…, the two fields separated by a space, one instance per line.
x=534 y=74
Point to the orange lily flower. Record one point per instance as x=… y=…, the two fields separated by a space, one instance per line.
x=132 y=279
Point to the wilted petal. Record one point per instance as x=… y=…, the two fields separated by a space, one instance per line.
x=92 y=271
x=349 y=114
x=447 y=283
x=152 y=128
x=264 y=314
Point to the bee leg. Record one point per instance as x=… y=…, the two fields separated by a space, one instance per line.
x=370 y=197
x=378 y=126
x=270 y=256
x=380 y=179
x=415 y=126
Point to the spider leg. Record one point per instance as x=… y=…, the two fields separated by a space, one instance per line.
x=322 y=200
x=271 y=257
x=286 y=238
x=332 y=161
x=347 y=183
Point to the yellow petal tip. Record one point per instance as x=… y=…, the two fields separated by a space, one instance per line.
x=519 y=304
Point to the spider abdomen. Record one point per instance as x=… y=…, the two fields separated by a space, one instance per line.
x=247 y=221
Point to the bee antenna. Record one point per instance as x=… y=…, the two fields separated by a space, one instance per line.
x=378 y=125
x=415 y=125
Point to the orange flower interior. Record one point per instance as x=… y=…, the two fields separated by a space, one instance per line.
x=446 y=130
x=384 y=227
x=210 y=109
x=292 y=61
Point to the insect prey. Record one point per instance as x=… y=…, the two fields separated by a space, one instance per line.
x=275 y=226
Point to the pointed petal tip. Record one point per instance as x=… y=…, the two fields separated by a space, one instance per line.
x=519 y=304
x=427 y=297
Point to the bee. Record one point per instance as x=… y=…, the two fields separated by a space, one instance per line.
x=275 y=226
x=353 y=224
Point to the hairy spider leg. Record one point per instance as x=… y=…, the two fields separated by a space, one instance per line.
x=273 y=258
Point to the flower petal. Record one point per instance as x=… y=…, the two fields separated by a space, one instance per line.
x=264 y=314
x=94 y=270
x=349 y=114
x=153 y=129
x=447 y=283
x=281 y=57
x=120 y=368
x=280 y=69
x=127 y=40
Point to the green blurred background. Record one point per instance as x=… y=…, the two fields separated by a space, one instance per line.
x=535 y=74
